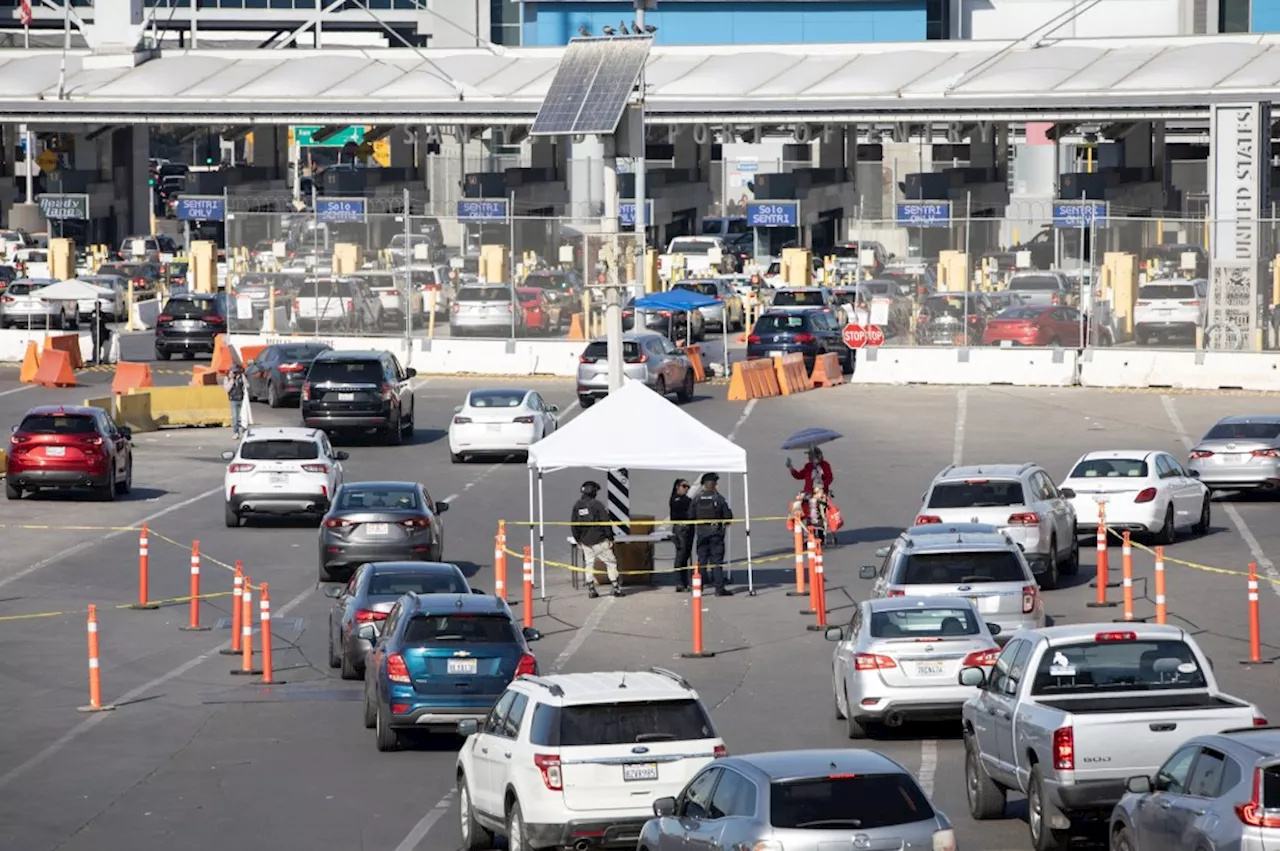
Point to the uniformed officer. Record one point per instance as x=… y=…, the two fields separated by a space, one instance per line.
x=589 y=523
x=712 y=509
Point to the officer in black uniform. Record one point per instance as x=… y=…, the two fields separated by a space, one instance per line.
x=711 y=506
x=101 y=335
x=589 y=524
x=680 y=508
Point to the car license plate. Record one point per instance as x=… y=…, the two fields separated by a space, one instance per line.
x=776 y=354
x=1006 y=344
x=378 y=528
x=495 y=426
x=55 y=451
x=278 y=478
x=462 y=666
x=640 y=771
x=1230 y=458
x=346 y=397
x=929 y=669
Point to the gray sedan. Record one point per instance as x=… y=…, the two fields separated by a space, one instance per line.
x=368 y=597
x=1239 y=453
x=379 y=521
x=801 y=801
x=647 y=357
x=486 y=310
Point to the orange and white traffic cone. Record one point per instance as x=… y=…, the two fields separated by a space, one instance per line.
x=95 y=669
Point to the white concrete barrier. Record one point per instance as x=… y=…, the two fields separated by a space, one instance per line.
x=13 y=343
x=1023 y=367
x=1180 y=370
x=144 y=313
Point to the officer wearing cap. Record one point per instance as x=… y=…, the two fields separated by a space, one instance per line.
x=711 y=510
x=589 y=524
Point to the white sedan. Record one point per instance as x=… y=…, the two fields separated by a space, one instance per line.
x=499 y=422
x=1140 y=491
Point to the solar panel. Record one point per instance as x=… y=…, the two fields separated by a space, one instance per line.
x=592 y=86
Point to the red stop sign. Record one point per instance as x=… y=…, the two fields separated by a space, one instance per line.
x=875 y=335
x=855 y=336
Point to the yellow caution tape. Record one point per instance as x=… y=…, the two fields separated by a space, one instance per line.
x=1194 y=565
x=578 y=569
x=649 y=522
x=166 y=602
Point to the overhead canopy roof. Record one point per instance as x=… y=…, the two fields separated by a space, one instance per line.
x=1171 y=76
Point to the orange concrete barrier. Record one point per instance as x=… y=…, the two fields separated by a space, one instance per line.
x=694 y=354
x=30 y=363
x=69 y=343
x=55 y=370
x=753 y=379
x=131 y=376
x=248 y=354
x=222 y=361
x=577 y=329
x=204 y=376
x=826 y=371
x=792 y=376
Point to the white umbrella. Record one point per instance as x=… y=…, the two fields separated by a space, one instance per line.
x=72 y=290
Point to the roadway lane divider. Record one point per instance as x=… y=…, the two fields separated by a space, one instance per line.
x=95 y=668
x=827 y=371
x=1255 y=631
x=264 y=622
x=796 y=531
x=819 y=585
x=695 y=605
x=131 y=376
x=528 y=586
x=1126 y=573
x=1102 y=580
x=246 y=668
x=792 y=376
x=811 y=553
x=753 y=379
x=144 y=571
x=237 y=597
x=500 y=562
x=193 y=624
x=1162 y=608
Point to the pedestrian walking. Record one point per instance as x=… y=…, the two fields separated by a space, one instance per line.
x=101 y=332
x=589 y=523
x=711 y=510
x=680 y=507
x=235 y=387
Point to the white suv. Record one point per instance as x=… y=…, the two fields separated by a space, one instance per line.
x=577 y=760
x=281 y=471
x=1018 y=499
x=1170 y=308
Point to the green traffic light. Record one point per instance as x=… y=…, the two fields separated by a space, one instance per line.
x=208 y=160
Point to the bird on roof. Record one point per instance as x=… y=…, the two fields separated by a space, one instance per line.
x=609 y=31
x=584 y=32
x=622 y=28
x=635 y=28
x=650 y=29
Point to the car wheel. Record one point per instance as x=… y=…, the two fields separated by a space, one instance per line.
x=1072 y=565
x=12 y=491
x=326 y=573
x=515 y=829
x=127 y=485
x=407 y=426
x=660 y=386
x=1050 y=579
x=1043 y=837
x=370 y=712
x=456 y=457
x=107 y=493
x=230 y=516
x=163 y=354
x=387 y=739
x=1168 y=534
x=335 y=660
x=1122 y=840
x=1202 y=526
x=853 y=728
x=586 y=402
x=393 y=436
x=986 y=799
x=273 y=395
x=474 y=836
x=835 y=698
x=685 y=393
x=349 y=671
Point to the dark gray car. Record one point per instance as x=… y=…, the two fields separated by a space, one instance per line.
x=380 y=521
x=368 y=597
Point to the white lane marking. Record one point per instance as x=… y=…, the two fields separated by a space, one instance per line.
x=423 y=827
x=746 y=412
x=962 y=413
x=128 y=697
x=928 y=766
x=17 y=389
x=1242 y=528
x=92 y=542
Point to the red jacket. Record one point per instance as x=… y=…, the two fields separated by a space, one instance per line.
x=806 y=472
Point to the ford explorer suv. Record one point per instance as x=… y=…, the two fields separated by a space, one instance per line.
x=1170 y=310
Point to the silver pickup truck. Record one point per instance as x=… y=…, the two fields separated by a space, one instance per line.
x=1068 y=713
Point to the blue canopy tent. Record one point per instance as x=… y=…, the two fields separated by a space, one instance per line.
x=684 y=300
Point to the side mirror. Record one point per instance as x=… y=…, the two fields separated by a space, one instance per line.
x=972 y=676
x=334 y=592
x=13 y=429
x=834 y=633
x=479 y=591
x=127 y=432
x=867 y=572
x=457 y=409
x=553 y=409
x=368 y=632
x=468 y=727
x=1195 y=474
x=531 y=634
x=1067 y=493
x=993 y=628
x=442 y=507
x=341 y=456
x=882 y=552
x=410 y=372
x=664 y=807
x=1140 y=785
x=228 y=455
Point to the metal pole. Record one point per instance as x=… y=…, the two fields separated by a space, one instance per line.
x=638 y=151
x=511 y=260
x=408 y=281
x=968 y=228
x=613 y=305
x=31 y=158
x=295 y=153
x=1084 y=256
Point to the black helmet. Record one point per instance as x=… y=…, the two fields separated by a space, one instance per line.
x=708 y=478
x=590 y=488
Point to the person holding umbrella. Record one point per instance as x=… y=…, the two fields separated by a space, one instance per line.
x=816 y=473
x=815 y=468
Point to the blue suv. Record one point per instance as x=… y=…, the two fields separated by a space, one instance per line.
x=440 y=659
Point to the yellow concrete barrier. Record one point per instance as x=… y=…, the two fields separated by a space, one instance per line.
x=187 y=406
x=134 y=411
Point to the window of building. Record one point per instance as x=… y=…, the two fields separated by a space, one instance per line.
x=1233 y=16
x=938 y=19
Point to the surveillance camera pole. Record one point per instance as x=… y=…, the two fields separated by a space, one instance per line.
x=638 y=151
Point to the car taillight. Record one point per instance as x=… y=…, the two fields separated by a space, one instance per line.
x=944 y=840
x=1064 y=749
x=527 y=665
x=510 y=308
x=1145 y=495
x=550 y=767
x=1252 y=812
x=139 y=282
x=297 y=305
x=416 y=523
x=1024 y=518
x=720 y=752
x=338 y=523
x=316 y=468
x=895 y=592
x=461 y=420
x=665 y=313
x=1201 y=453
x=1259 y=721
x=926 y=519
x=8 y=299
x=1105 y=637
x=754 y=338
x=585 y=359
x=386 y=392
x=369 y=616
x=351 y=305
x=872 y=661
x=306 y=392
x=164 y=317
x=981 y=659
x=525 y=420
x=1265 y=453
x=804 y=337
x=214 y=319
x=19 y=438
x=292 y=367
x=1029 y=593
x=397 y=672
x=457 y=308
x=638 y=359
x=239 y=468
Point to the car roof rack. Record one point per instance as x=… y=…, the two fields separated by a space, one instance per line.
x=672 y=675
x=555 y=690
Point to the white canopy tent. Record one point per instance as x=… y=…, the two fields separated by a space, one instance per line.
x=634 y=428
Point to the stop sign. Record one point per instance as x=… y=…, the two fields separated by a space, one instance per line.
x=875 y=335
x=855 y=336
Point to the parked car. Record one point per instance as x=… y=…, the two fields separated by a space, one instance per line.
x=278 y=372
x=1034 y=325
x=281 y=472
x=647 y=357
x=1170 y=310
x=1069 y=713
x=730 y=309
x=1239 y=453
x=64 y=447
x=1147 y=492
x=189 y=324
x=368 y=598
x=359 y=391
x=486 y=309
x=501 y=422
x=809 y=333
x=441 y=659
x=380 y=521
x=22 y=307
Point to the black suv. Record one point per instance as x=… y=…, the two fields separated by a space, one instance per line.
x=359 y=391
x=189 y=324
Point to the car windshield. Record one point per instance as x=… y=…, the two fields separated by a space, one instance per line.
x=781 y=323
x=977 y=493
x=378 y=499
x=397 y=584
x=190 y=308
x=545 y=281
x=692 y=246
x=1034 y=283
x=1167 y=292
x=484 y=294
x=627 y=723
x=923 y=623
x=1020 y=313
x=322 y=289
x=1118 y=663
x=599 y=350
x=705 y=287
x=1110 y=468
x=1240 y=431
x=279 y=450
x=58 y=424
x=961 y=568
x=21 y=289
x=497 y=398
x=798 y=298
x=345 y=372
x=296 y=353
x=454 y=627
x=852 y=802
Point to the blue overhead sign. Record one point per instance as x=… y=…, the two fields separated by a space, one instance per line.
x=627 y=213
x=482 y=210
x=925 y=214
x=202 y=208
x=1079 y=214
x=334 y=210
x=773 y=214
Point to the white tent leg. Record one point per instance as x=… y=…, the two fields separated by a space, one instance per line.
x=728 y=533
x=542 y=538
x=746 y=499
x=532 y=530
x=724 y=339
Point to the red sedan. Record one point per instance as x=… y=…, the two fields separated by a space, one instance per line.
x=539 y=315
x=1034 y=326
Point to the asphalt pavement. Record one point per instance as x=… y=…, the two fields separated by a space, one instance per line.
x=197 y=758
